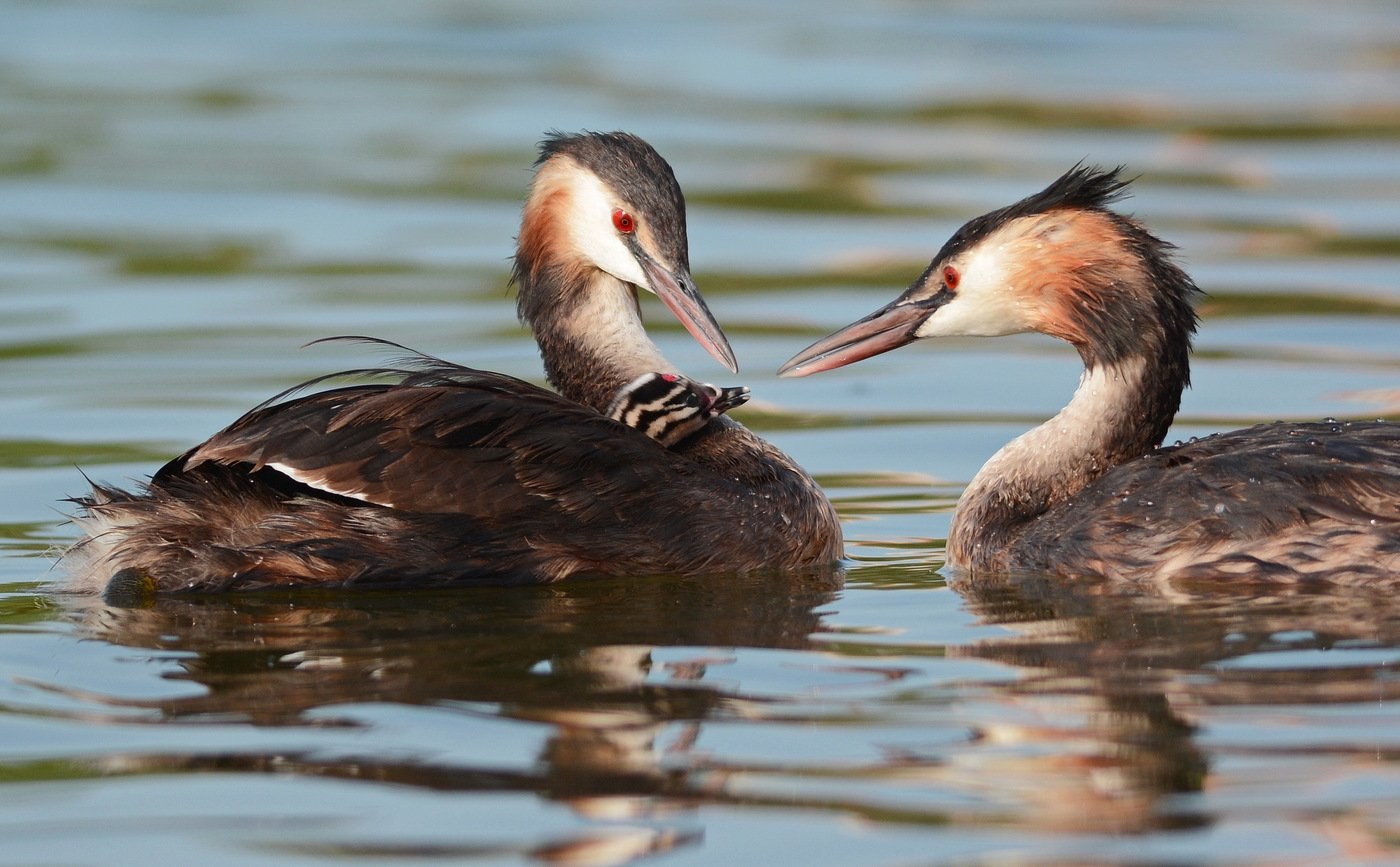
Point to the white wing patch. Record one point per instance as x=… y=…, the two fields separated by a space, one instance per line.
x=314 y=481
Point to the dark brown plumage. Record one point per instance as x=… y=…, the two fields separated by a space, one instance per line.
x=1272 y=502
x=454 y=475
x=1091 y=492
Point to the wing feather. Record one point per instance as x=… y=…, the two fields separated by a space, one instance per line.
x=468 y=443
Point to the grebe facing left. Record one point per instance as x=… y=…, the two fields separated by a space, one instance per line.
x=455 y=475
x=1091 y=492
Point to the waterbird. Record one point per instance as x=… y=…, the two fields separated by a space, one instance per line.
x=454 y=475
x=1092 y=491
x=669 y=407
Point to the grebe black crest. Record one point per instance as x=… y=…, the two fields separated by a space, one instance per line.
x=670 y=407
x=1092 y=492
x=448 y=474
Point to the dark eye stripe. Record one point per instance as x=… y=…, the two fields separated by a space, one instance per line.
x=665 y=407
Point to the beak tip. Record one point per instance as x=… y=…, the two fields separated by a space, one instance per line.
x=715 y=344
x=713 y=340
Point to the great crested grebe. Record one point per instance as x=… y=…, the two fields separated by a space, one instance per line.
x=1092 y=492
x=669 y=407
x=453 y=475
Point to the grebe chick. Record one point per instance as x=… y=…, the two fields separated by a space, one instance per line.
x=455 y=475
x=669 y=407
x=1091 y=492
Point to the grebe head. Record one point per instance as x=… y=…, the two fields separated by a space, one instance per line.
x=608 y=202
x=669 y=407
x=1058 y=262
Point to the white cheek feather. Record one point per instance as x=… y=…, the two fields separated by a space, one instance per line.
x=985 y=305
x=607 y=310
x=592 y=232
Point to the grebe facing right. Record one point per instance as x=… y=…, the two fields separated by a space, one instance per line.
x=670 y=407
x=450 y=475
x=1092 y=492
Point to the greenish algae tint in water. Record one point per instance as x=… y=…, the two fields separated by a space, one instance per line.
x=191 y=192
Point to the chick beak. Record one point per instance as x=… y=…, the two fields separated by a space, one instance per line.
x=728 y=398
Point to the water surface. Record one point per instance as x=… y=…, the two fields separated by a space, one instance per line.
x=189 y=193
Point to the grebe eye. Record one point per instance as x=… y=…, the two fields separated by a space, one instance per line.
x=951 y=277
x=623 y=222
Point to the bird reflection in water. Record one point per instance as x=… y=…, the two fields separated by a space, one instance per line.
x=1116 y=686
x=576 y=657
x=1093 y=724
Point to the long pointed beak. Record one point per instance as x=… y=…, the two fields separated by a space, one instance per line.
x=677 y=290
x=888 y=328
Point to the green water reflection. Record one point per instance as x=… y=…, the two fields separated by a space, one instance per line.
x=191 y=192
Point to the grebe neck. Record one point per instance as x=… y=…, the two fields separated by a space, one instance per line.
x=1119 y=412
x=595 y=343
x=1126 y=307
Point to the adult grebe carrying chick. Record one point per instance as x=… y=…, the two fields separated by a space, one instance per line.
x=455 y=475
x=1091 y=491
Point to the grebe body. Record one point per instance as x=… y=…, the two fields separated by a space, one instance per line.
x=455 y=475
x=1091 y=491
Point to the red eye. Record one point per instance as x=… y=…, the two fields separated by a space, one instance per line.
x=669 y=377
x=951 y=277
x=623 y=221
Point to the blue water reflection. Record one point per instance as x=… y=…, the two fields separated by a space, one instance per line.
x=190 y=192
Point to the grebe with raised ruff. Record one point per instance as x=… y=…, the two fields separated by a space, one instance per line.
x=454 y=475
x=1092 y=492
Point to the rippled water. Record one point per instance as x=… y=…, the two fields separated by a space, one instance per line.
x=190 y=192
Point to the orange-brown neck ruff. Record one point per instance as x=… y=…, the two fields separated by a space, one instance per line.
x=450 y=475
x=585 y=318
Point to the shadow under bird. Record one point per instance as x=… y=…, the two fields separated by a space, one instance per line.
x=1091 y=491
x=456 y=475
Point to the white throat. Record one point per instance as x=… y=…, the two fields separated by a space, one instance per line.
x=605 y=315
x=1072 y=443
